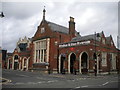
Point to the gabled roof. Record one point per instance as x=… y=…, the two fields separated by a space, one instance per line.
x=58 y=28
x=108 y=39
x=87 y=37
x=9 y=54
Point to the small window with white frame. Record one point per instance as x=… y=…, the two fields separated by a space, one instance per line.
x=42 y=30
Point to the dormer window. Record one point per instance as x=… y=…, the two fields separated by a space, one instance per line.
x=42 y=30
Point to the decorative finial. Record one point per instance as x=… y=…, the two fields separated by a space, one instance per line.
x=44 y=7
x=44 y=13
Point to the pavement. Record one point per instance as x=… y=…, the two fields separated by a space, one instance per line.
x=80 y=75
x=24 y=79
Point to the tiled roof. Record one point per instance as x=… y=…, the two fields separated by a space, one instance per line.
x=88 y=37
x=58 y=28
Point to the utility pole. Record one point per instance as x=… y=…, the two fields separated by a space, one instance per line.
x=95 y=57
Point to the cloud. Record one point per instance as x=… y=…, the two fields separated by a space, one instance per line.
x=21 y=10
x=22 y=19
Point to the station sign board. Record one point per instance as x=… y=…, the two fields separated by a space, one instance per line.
x=74 y=44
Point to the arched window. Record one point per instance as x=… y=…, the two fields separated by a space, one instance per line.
x=15 y=57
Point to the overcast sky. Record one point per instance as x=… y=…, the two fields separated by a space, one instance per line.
x=21 y=19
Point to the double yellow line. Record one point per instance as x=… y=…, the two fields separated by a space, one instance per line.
x=6 y=81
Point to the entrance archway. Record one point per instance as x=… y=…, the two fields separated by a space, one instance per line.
x=9 y=64
x=72 y=60
x=84 y=63
x=16 y=64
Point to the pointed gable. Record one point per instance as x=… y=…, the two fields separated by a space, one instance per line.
x=103 y=39
x=109 y=40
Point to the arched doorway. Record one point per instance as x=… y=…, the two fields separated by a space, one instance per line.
x=84 y=63
x=61 y=63
x=72 y=61
x=16 y=64
x=9 y=64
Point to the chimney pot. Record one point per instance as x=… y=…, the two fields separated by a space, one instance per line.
x=71 y=19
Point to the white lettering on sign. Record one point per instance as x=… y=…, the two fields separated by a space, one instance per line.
x=74 y=44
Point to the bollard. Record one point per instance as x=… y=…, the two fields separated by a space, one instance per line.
x=75 y=72
x=95 y=72
x=63 y=71
x=48 y=71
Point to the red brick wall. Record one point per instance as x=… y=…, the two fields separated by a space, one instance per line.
x=101 y=48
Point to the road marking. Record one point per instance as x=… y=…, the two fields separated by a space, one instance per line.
x=19 y=83
x=105 y=83
x=22 y=75
x=113 y=81
x=77 y=87
x=84 y=86
x=31 y=83
x=39 y=82
x=7 y=81
x=50 y=81
x=82 y=78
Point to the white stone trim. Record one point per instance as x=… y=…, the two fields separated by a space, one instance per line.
x=59 y=63
x=23 y=63
x=40 y=56
x=20 y=65
x=43 y=56
x=27 y=63
x=48 y=49
x=34 y=61
x=37 y=47
x=8 y=64
x=13 y=62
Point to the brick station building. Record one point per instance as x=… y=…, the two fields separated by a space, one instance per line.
x=87 y=53
x=58 y=48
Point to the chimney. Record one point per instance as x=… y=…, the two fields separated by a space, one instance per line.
x=72 y=27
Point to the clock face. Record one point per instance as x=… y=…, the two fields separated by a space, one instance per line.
x=42 y=30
